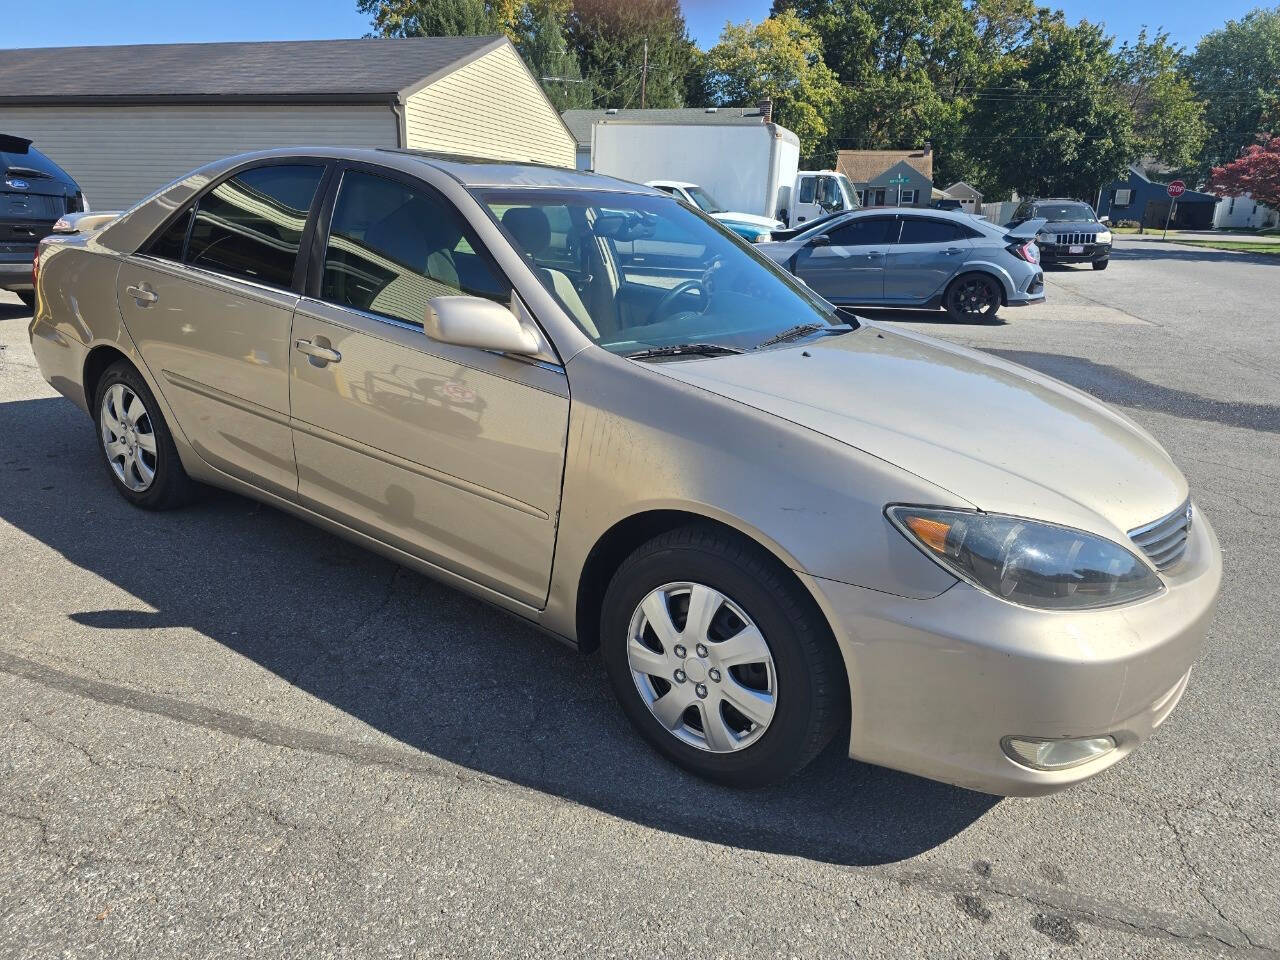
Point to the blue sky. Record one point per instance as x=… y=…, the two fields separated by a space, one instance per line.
x=73 y=22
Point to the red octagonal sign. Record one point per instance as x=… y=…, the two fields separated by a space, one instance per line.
x=1176 y=189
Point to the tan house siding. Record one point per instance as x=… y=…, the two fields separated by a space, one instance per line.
x=119 y=155
x=489 y=108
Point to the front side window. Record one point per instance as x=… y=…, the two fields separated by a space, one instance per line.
x=393 y=247
x=829 y=194
x=808 y=186
x=864 y=232
x=636 y=271
x=251 y=225
x=919 y=230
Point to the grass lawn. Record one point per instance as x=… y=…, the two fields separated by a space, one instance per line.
x=1245 y=245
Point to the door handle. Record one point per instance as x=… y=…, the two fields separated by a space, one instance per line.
x=951 y=250
x=317 y=353
x=142 y=293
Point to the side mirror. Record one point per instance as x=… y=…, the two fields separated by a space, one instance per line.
x=821 y=240
x=480 y=323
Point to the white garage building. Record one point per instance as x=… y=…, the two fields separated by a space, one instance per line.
x=126 y=120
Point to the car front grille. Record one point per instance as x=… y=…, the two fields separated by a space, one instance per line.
x=1076 y=239
x=1164 y=541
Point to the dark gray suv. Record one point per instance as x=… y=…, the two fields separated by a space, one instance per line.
x=34 y=193
x=1072 y=232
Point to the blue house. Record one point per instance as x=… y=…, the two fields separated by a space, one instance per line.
x=1145 y=201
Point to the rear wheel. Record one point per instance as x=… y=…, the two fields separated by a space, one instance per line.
x=28 y=297
x=141 y=458
x=1100 y=264
x=719 y=659
x=974 y=297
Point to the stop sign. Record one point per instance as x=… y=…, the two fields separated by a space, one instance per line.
x=1176 y=189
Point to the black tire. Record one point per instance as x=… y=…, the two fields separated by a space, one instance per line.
x=810 y=688
x=28 y=297
x=171 y=487
x=1100 y=264
x=972 y=297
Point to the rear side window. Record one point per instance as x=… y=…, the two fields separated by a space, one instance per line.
x=868 y=230
x=251 y=225
x=172 y=241
x=931 y=231
x=392 y=248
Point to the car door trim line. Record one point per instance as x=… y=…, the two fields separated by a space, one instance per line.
x=447 y=479
x=213 y=393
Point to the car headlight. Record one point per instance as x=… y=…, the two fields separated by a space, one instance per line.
x=1043 y=237
x=1104 y=236
x=1025 y=561
x=762 y=237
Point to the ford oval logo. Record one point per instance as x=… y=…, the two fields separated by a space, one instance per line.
x=17 y=184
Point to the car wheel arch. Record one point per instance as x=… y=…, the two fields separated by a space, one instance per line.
x=96 y=363
x=616 y=543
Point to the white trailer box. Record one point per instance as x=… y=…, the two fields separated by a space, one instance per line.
x=749 y=167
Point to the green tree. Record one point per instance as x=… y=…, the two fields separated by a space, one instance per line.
x=1236 y=70
x=426 y=18
x=609 y=40
x=779 y=58
x=1052 y=121
x=543 y=46
x=1168 y=115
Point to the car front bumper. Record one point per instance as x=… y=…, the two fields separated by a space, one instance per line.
x=1053 y=253
x=935 y=685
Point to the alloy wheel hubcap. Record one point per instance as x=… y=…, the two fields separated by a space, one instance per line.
x=974 y=297
x=128 y=437
x=702 y=667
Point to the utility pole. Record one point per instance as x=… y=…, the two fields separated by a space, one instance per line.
x=644 y=72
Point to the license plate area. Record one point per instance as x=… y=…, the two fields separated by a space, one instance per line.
x=1075 y=248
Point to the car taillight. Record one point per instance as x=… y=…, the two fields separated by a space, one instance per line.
x=1027 y=251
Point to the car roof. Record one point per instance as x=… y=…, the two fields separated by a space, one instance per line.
x=954 y=216
x=683 y=184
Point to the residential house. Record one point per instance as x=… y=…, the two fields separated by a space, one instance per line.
x=969 y=197
x=126 y=120
x=895 y=178
x=1142 y=200
x=1244 y=213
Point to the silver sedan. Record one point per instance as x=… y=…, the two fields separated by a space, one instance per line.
x=596 y=408
x=917 y=258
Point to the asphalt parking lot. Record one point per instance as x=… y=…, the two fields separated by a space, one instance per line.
x=225 y=733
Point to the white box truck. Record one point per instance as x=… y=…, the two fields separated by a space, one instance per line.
x=748 y=167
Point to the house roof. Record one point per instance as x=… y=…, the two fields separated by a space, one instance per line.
x=966 y=187
x=369 y=70
x=863 y=166
x=580 y=122
x=1188 y=196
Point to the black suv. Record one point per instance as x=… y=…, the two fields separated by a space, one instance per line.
x=1074 y=234
x=34 y=193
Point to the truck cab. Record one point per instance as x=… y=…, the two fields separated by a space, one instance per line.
x=819 y=193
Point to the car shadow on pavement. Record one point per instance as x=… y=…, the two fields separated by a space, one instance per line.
x=905 y=315
x=421 y=663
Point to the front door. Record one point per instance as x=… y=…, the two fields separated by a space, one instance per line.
x=209 y=303
x=452 y=454
x=849 y=266
x=928 y=253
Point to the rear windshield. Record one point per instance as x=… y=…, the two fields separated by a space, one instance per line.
x=33 y=163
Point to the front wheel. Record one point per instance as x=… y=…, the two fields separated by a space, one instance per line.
x=1100 y=264
x=973 y=298
x=719 y=659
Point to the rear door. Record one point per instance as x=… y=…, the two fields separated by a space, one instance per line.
x=928 y=253
x=848 y=266
x=209 y=302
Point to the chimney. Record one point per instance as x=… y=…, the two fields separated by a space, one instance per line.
x=928 y=147
x=766 y=110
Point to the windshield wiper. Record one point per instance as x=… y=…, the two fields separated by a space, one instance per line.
x=803 y=330
x=27 y=172
x=682 y=349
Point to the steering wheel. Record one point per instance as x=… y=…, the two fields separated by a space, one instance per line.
x=704 y=285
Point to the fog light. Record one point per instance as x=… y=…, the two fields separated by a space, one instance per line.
x=1056 y=754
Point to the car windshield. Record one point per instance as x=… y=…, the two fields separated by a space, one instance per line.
x=1054 y=212
x=639 y=271
x=704 y=200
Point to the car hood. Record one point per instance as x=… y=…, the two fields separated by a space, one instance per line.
x=1001 y=437
x=765 y=223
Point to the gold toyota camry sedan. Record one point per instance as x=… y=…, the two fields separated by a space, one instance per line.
x=589 y=404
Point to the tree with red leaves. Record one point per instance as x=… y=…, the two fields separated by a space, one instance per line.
x=1255 y=172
